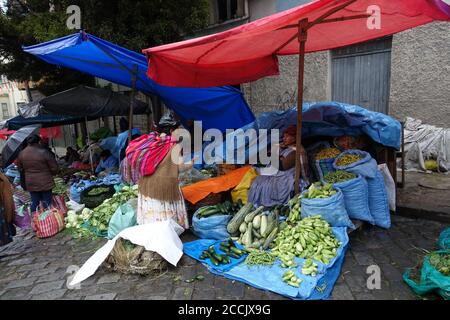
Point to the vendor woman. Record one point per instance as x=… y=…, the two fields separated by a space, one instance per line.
x=277 y=189
x=107 y=162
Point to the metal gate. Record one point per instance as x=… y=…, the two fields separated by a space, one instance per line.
x=361 y=74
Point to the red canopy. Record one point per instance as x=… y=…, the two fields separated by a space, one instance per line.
x=249 y=52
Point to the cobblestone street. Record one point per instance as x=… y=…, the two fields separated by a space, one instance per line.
x=37 y=269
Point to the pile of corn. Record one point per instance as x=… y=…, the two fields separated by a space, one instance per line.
x=348 y=159
x=328 y=153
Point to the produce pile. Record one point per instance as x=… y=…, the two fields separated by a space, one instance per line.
x=291 y=279
x=441 y=262
x=60 y=187
x=225 y=208
x=295 y=212
x=259 y=257
x=253 y=228
x=97 y=190
x=347 y=159
x=339 y=176
x=99 y=217
x=228 y=248
x=327 y=153
x=319 y=190
x=310 y=238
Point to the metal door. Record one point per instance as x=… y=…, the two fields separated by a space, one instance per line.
x=361 y=74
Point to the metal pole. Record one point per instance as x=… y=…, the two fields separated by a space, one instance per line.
x=302 y=37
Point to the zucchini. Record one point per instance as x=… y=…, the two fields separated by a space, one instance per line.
x=233 y=255
x=257 y=222
x=237 y=251
x=270 y=238
x=263 y=224
x=272 y=225
x=214 y=261
x=242 y=227
x=250 y=216
x=235 y=222
x=247 y=238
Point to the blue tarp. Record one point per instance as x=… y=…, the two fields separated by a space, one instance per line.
x=218 y=107
x=270 y=277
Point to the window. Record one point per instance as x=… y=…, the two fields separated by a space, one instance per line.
x=225 y=10
x=5 y=111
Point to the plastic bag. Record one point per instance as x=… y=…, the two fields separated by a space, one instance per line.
x=390 y=185
x=75 y=206
x=356 y=198
x=444 y=240
x=213 y=227
x=124 y=217
x=378 y=201
x=331 y=209
x=241 y=190
x=431 y=280
x=366 y=167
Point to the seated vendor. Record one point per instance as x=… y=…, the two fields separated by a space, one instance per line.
x=271 y=190
x=107 y=162
x=71 y=156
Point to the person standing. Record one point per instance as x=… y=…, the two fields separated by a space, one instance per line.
x=39 y=166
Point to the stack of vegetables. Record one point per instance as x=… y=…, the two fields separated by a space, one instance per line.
x=327 y=153
x=339 y=176
x=311 y=238
x=295 y=211
x=225 y=208
x=60 y=187
x=347 y=159
x=254 y=228
x=228 y=248
x=96 y=221
x=319 y=191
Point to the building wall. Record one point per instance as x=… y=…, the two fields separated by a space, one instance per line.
x=280 y=92
x=420 y=74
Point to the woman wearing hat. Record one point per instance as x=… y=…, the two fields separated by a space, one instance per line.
x=277 y=189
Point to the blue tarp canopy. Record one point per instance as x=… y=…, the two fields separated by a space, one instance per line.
x=319 y=119
x=218 y=107
x=45 y=120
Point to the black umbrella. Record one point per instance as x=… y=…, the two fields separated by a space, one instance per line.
x=16 y=143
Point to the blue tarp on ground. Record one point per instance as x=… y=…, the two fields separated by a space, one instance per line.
x=270 y=277
x=218 y=107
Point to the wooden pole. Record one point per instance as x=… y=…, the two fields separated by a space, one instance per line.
x=302 y=37
x=130 y=120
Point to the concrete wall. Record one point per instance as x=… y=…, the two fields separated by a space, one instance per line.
x=280 y=92
x=420 y=80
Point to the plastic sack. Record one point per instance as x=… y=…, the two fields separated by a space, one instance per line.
x=390 y=185
x=75 y=206
x=213 y=227
x=356 y=198
x=431 y=280
x=444 y=240
x=366 y=167
x=378 y=201
x=323 y=167
x=241 y=190
x=124 y=217
x=22 y=218
x=109 y=144
x=331 y=209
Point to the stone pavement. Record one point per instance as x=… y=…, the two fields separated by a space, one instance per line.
x=425 y=196
x=31 y=268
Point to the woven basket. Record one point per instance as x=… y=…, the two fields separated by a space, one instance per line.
x=223 y=169
x=131 y=259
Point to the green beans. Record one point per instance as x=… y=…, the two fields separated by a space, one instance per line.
x=260 y=257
